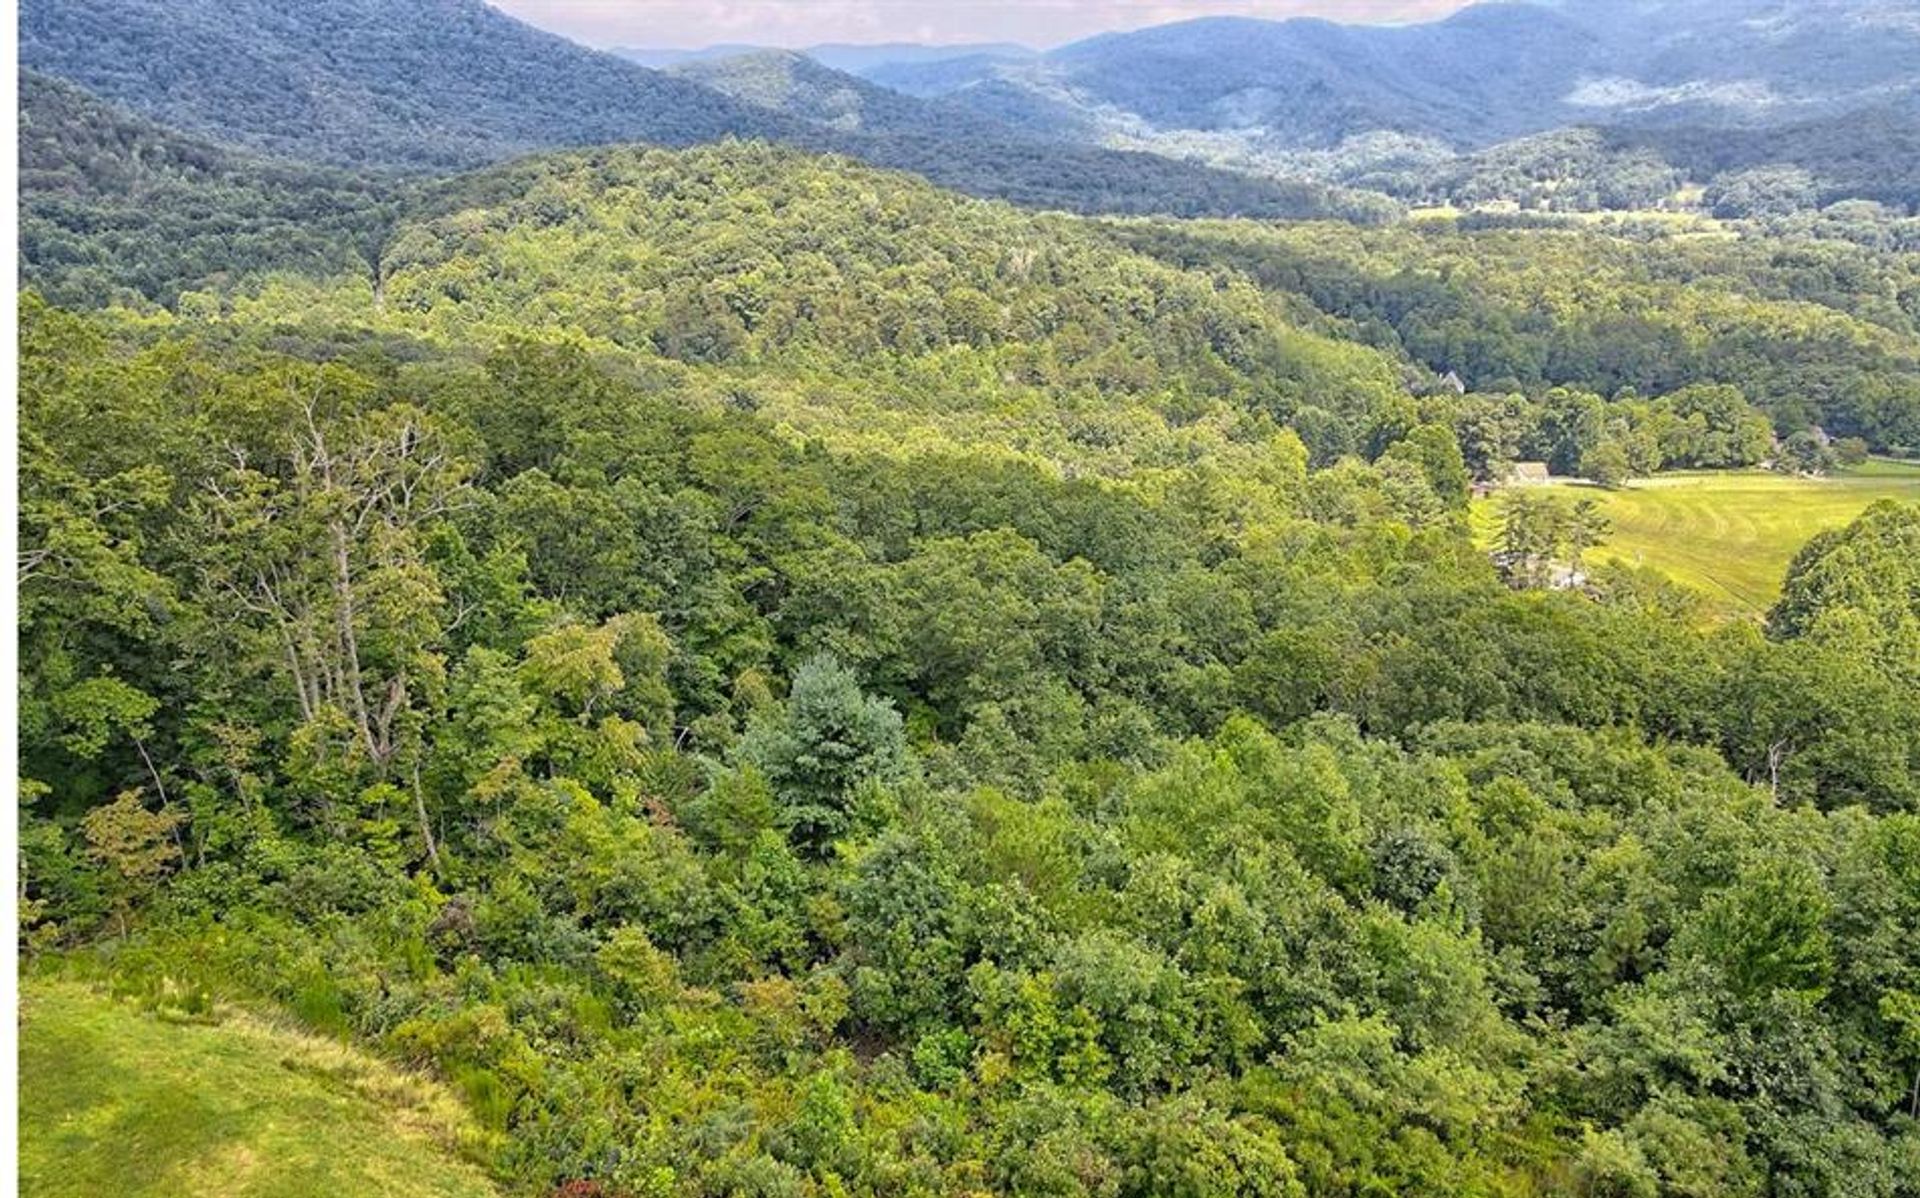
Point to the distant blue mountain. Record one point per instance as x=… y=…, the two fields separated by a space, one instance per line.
x=854 y=58
x=1209 y=115
x=1488 y=73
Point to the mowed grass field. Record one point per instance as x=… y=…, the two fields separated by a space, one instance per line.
x=1729 y=534
x=114 y=1101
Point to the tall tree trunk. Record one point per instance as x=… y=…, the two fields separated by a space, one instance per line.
x=349 y=640
x=426 y=825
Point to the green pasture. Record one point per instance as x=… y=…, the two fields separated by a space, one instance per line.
x=1729 y=534
x=114 y=1101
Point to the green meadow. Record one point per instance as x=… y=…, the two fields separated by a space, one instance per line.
x=117 y=1101
x=1730 y=534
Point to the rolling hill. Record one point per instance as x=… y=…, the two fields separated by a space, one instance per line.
x=801 y=86
x=111 y=201
x=918 y=316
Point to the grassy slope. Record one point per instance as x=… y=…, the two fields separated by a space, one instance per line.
x=1732 y=534
x=114 y=1101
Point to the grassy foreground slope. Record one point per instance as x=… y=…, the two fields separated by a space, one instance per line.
x=114 y=1101
x=1732 y=535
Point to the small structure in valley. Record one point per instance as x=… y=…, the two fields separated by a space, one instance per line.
x=1518 y=474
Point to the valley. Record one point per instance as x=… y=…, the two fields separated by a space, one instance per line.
x=1729 y=535
x=891 y=620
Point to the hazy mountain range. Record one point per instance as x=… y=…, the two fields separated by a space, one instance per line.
x=1254 y=94
x=1489 y=72
x=439 y=85
x=1701 y=86
x=1217 y=115
x=873 y=59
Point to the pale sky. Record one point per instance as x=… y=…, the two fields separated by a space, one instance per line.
x=1039 y=23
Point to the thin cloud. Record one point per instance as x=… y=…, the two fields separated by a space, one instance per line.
x=691 y=23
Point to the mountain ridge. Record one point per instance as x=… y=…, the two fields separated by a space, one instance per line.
x=1491 y=71
x=857 y=58
x=435 y=86
x=367 y=82
x=1276 y=97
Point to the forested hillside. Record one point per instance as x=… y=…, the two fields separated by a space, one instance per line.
x=112 y=203
x=1813 y=332
x=394 y=83
x=848 y=300
x=757 y=262
x=769 y=677
x=748 y=262
x=786 y=81
x=720 y=810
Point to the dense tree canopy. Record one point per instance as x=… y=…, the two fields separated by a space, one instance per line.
x=771 y=678
x=1811 y=332
x=722 y=811
x=113 y=204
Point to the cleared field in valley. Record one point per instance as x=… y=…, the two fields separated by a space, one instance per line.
x=1730 y=534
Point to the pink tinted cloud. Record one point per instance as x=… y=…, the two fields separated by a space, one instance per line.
x=806 y=22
